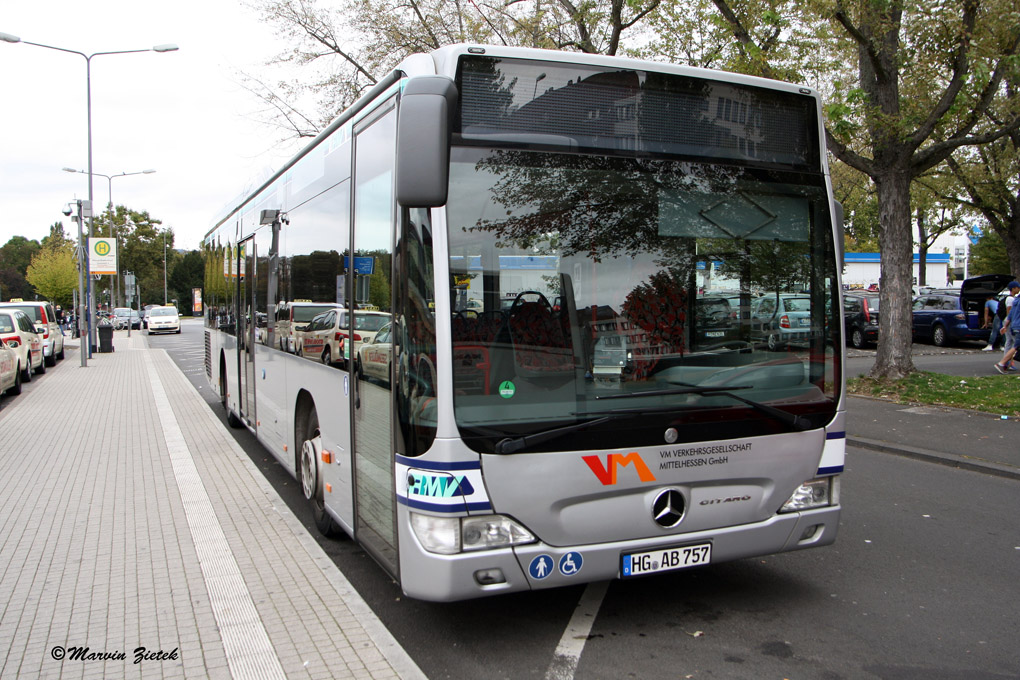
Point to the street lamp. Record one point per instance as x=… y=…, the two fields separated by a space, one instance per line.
x=79 y=303
x=169 y=47
x=109 y=205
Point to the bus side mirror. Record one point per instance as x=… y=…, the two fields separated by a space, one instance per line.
x=837 y=209
x=424 y=119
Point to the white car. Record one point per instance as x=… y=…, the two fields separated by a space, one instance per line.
x=376 y=355
x=164 y=320
x=326 y=338
x=44 y=318
x=292 y=318
x=10 y=376
x=17 y=331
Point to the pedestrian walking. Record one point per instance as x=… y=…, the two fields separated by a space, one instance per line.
x=1011 y=329
x=995 y=314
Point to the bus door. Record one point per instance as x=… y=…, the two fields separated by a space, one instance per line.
x=372 y=420
x=246 y=329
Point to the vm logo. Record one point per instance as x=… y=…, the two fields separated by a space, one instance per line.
x=614 y=461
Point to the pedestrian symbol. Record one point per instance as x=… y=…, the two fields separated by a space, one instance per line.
x=540 y=567
x=571 y=563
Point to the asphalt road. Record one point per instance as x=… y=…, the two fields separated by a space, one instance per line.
x=920 y=585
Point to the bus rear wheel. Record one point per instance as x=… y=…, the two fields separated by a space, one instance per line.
x=309 y=478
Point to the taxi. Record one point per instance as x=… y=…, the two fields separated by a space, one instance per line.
x=326 y=338
x=375 y=356
x=18 y=332
x=44 y=319
x=10 y=376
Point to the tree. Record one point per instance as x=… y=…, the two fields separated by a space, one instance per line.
x=860 y=205
x=15 y=256
x=57 y=239
x=991 y=178
x=54 y=274
x=141 y=243
x=926 y=74
x=346 y=47
x=188 y=273
x=935 y=216
x=988 y=255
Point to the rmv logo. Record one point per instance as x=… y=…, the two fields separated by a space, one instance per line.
x=607 y=473
x=438 y=486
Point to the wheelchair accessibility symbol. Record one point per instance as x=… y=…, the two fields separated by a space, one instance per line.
x=571 y=563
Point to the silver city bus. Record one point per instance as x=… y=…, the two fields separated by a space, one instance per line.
x=541 y=227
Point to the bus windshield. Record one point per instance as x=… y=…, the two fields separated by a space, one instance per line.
x=587 y=285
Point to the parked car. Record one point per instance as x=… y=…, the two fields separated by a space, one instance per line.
x=125 y=315
x=44 y=318
x=376 y=355
x=779 y=320
x=326 y=338
x=949 y=316
x=291 y=320
x=145 y=315
x=860 y=318
x=715 y=324
x=164 y=320
x=17 y=331
x=10 y=373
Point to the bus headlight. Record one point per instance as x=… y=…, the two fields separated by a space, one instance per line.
x=814 y=493
x=492 y=531
x=451 y=535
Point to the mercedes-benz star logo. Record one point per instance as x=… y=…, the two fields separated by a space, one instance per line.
x=668 y=508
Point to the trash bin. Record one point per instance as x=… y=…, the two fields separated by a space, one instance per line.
x=105 y=338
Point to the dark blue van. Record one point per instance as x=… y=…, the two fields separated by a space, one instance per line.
x=947 y=316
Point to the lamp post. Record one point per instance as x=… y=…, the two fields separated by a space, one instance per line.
x=164 y=267
x=109 y=208
x=169 y=47
x=80 y=257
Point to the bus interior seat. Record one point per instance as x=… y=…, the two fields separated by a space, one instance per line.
x=540 y=347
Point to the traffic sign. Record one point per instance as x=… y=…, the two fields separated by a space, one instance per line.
x=102 y=256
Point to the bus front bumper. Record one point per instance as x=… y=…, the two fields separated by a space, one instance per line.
x=444 y=578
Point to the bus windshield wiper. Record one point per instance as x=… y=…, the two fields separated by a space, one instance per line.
x=514 y=444
x=798 y=423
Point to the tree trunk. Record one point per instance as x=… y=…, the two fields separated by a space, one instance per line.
x=896 y=245
x=1011 y=238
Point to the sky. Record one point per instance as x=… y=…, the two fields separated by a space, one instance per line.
x=182 y=114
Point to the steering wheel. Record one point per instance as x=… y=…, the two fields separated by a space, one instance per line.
x=520 y=298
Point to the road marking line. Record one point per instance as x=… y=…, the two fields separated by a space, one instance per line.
x=246 y=643
x=568 y=651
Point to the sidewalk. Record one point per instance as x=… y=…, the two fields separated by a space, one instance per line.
x=961 y=438
x=138 y=540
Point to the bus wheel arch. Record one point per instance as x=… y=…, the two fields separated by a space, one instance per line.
x=308 y=463
x=232 y=420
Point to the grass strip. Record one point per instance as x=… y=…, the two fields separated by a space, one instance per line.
x=998 y=394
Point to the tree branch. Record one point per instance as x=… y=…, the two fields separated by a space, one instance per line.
x=845 y=154
x=958 y=79
x=932 y=155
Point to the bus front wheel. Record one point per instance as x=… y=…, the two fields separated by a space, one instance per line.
x=309 y=478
